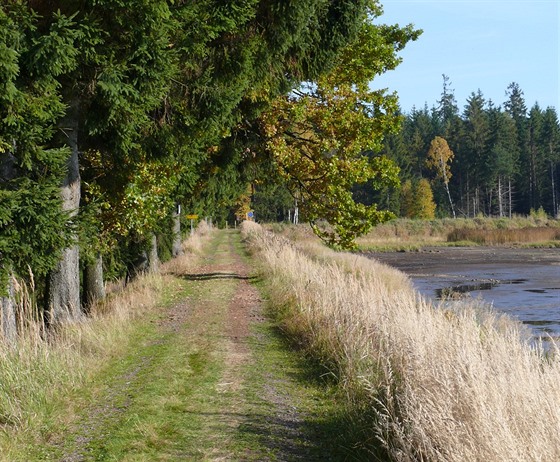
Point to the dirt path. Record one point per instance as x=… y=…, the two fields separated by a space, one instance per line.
x=211 y=379
x=243 y=315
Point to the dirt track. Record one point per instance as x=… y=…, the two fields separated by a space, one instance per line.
x=209 y=379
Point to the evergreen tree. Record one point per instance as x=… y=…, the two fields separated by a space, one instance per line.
x=515 y=107
x=33 y=227
x=450 y=119
x=550 y=143
x=536 y=157
x=447 y=109
x=419 y=129
x=474 y=152
x=502 y=162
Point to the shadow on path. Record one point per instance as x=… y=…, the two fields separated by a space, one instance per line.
x=212 y=276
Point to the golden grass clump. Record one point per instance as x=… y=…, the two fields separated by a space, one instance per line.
x=505 y=236
x=434 y=384
x=196 y=241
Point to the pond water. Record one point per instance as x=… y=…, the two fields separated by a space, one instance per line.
x=525 y=283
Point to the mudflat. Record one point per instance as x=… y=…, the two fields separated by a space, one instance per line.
x=523 y=282
x=437 y=259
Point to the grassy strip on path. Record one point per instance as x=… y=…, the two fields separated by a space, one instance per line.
x=207 y=377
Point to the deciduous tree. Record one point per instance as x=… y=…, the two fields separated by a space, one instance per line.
x=319 y=134
x=425 y=206
x=439 y=159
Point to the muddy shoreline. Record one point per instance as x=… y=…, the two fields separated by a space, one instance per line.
x=431 y=259
x=523 y=282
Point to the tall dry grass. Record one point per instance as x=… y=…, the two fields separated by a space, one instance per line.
x=196 y=241
x=44 y=365
x=429 y=384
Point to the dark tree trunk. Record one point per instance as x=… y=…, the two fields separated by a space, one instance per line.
x=138 y=261
x=8 y=315
x=153 y=259
x=177 y=240
x=94 y=287
x=137 y=267
x=64 y=280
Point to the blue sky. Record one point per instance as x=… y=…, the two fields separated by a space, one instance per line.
x=478 y=44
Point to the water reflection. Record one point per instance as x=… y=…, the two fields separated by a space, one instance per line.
x=537 y=307
x=523 y=283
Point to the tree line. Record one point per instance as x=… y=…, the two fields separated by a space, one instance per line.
x=117 y=115
x=486 y=159
x=495 y=160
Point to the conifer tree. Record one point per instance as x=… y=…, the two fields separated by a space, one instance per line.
x=407 y=199
x=550 y=143
x=34 y=55
x=447 y=109
x=536 y=158
x=475 y=151
x=516 y=108
x=503 y=160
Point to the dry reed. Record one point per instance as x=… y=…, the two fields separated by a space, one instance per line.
x=505 y=236
x=482 y=230
x=437 y=384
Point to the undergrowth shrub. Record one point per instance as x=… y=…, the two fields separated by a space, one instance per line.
x=425 y=383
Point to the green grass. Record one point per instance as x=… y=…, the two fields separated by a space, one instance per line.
x=297 y=383
x=95 y=409
x=161 y=393
x=159 y=422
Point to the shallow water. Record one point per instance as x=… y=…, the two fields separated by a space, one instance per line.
x=525 y=283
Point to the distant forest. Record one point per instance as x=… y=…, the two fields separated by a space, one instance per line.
x=505 y=158
x=500 y=160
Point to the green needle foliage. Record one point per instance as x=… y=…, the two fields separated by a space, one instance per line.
x=33 y=228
